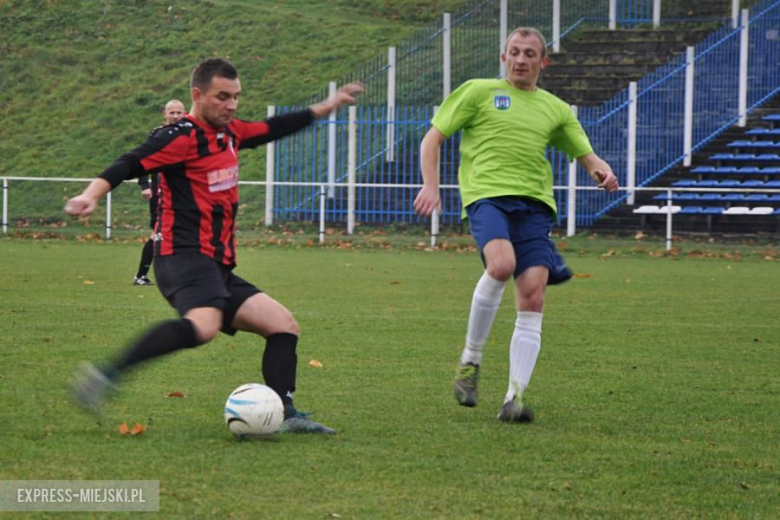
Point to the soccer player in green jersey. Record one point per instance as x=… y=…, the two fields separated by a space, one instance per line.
x=505 y=185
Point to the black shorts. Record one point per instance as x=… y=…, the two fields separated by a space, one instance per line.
x=153 y=211
x=192 y=280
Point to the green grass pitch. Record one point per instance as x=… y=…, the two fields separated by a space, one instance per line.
x=656 y=392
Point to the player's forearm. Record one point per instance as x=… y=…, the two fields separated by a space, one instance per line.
x=97 y=189
x=124 y=168
x=429 y=160
x=593 y=163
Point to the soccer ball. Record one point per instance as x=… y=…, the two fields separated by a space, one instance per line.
x=253 y=410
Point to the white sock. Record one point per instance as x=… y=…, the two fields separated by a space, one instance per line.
x=523 y=351
x=484 y=305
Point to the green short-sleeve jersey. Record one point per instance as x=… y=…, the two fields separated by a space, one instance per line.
x=506 y=132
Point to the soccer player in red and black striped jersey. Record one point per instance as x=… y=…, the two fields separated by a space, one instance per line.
x=195 y=254
x=173 y=111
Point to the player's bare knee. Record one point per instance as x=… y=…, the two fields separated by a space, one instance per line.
x=501 y=270
x=289 y=324
x=205 y=333
x=532 y=301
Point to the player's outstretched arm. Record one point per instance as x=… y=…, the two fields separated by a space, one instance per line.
x=600 y=172
x=343 y=96
x=84 y=204
x=429 y=199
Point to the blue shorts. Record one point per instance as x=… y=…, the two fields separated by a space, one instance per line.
x=527 y=225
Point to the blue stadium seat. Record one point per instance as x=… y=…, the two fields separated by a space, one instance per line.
x=703 y=169
x=701 y=210
x=774 y=198
x=777 y=211
x=710 y=197
x=685 y=183
x=729 y=184
x=773 y=157
x=748 y=170
x=771 y=170
x=732 y=197
x=772 y=184
x=752 y=184
x=763 y=131
x=678 y=196
x=753 y=144
x=756 y=197
x=772 y=117
x=707 y=184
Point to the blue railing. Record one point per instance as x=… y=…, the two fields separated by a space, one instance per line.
x=660 y=111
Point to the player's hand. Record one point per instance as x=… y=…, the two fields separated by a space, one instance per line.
x=80 y=206
x=607 y=180
x=343 y=96
x=147 y=193
x=426 y=201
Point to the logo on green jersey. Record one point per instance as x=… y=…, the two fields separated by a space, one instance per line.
x=501 y=101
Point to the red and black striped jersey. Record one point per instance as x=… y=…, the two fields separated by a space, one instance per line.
x=198 y=184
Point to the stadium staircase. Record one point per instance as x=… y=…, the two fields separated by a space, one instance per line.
x=747 y=158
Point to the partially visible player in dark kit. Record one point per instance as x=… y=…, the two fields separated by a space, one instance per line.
x=173 y=111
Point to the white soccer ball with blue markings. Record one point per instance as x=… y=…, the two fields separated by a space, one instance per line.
x=253 y=410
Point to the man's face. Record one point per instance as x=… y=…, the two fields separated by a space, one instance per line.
x=524 y=61
x=217 y=106
x=173 y=112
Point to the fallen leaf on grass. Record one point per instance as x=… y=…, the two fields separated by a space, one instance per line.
x=176 y=394
x=315 y=364
x=88 y=282
x=583 y=275
x=137 y=429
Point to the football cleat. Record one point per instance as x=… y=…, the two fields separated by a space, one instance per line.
x=465 y=386
x=90 y=388
x=304 y=425
x=142 y=280
x=514 y=411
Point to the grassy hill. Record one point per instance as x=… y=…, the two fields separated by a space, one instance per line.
x=81 y=82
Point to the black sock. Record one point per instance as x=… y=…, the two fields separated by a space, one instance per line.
x=280 y=364
x=147 y=255
x=163 y=338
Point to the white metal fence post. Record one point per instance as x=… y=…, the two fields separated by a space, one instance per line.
x=447 y=58
x=744 y=41
x=435 y=215
x=5 y=206
x=688 y=125
x=332 y=145
x=631 y=159
x=669 y=220
x=656 y=14
x=612 y=15
x=108 y=216
x=351 y=166
x=323 y=195
x=734 y=14
x=270 y=150
x=389 y=154
x=503 y=33
x=571 y=203
x=556 y=26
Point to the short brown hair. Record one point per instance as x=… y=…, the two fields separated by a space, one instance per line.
x=528 y=31
x=206 y=71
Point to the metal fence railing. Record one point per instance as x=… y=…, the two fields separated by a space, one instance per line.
x=641 y=133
